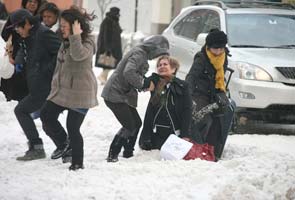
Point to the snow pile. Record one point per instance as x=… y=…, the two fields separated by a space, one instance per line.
x=254 y=167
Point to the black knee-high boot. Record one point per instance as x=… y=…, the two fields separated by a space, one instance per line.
x=118 y=142
x=130 y=143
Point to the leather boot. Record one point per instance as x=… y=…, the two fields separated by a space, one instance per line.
x=129 y=146
x=115 y=148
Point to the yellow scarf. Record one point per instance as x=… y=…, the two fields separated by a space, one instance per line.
x=218 y=62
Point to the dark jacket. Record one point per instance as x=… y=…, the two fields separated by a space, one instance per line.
x=41 y=46
x=172 y=118
x=201 y=79
x=109 y=38
x=122 y=86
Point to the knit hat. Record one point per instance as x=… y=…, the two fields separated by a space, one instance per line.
x=216 y=39
x=115 y=10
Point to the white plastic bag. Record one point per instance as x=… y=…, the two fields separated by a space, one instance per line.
x=175 y=148
x=6 y=68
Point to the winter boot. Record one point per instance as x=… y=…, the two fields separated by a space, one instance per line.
x=36 y=151
x=115 y=148
x=129 y=147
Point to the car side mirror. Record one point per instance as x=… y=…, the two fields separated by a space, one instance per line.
x=201 y=39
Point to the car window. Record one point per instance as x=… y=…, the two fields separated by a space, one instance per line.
x=196 y=22
x=265 y=30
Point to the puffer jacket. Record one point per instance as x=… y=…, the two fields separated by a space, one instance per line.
x=74 y=84
x=128 y=77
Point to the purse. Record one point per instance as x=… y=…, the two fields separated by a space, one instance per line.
x=106 y=61
x=202 y=151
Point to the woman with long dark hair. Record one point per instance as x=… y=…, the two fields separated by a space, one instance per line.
x=74 y=86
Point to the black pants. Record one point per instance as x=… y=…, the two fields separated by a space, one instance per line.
x=53 y=128
x=127 y=116
x=23 y=109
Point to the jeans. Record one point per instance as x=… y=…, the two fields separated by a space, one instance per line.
x=23 y=109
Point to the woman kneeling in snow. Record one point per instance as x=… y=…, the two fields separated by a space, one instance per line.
x=169 y=108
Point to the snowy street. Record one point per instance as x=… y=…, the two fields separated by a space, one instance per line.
x=253 y=167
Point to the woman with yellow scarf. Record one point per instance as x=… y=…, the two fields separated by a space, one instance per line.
x=207 y=85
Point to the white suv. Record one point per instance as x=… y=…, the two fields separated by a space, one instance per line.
x=261 y=40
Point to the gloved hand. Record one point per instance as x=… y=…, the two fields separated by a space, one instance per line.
x=147 y=80
x=222 y=99
x=19 y=68
x=146 y=145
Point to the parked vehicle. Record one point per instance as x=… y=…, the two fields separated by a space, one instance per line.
x=262 y=44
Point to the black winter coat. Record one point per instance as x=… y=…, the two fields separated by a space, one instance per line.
x=178 y=108
x=109 y=38
x=201 y=79
x=41 y=46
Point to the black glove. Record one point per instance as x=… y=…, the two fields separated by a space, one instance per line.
x=146 y=145
x=147 y=80
x=222 y=99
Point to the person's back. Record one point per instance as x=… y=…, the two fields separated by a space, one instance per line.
x=109 y=42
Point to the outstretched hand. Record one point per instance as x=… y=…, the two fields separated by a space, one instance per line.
x=76 y=27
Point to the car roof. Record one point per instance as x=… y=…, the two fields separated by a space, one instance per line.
x=260 y=11
x=233 y=4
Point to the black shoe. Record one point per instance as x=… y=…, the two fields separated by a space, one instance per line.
x=75 y=167
x=67 y=157
x=127 y=154
x=59 y=152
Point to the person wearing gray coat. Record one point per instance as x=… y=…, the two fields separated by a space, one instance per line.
x=121 y=92
x=73 y=87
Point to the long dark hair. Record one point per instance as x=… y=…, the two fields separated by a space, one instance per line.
x=24 y=3
x=84 y=18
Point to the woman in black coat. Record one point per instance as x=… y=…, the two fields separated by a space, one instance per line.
x=207 y=83
x=169 y=108
x=109 y=41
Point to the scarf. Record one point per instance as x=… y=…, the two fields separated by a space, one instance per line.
x=218 y=62
x=159 y=97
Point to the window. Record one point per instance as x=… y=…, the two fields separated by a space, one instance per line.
x=196 y=22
